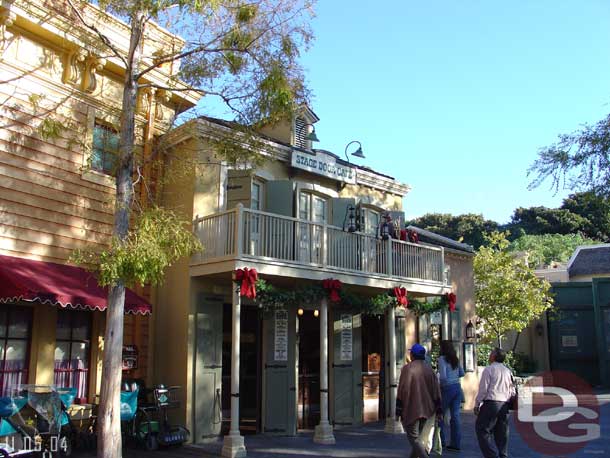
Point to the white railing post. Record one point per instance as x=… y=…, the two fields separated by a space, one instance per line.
x=239 y=230
x=324 y=244
x=442 y=266
x=389 y=256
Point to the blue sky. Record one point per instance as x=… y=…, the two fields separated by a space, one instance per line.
x=455 y=97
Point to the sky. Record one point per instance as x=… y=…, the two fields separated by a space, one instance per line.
x=455 y=98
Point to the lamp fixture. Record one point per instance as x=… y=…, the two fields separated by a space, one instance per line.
x=385 y=230
x=311 y=136
x=470 y=330
x=357 y=153
x=300 y=312
x=349 y=222
x=316 y=313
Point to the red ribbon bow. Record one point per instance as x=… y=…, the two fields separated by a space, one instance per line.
x=401 y=296
x=413 y=236
x=333 y=287
x=248 y=278
x=451 y=301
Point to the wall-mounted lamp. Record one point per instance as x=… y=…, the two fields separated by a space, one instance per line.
x=357 y=153
x=311 y=136
x=349 y=222
x=300 y=312
x=470 y=330
x=385 y=229
x=539 y=330
x=316 y=313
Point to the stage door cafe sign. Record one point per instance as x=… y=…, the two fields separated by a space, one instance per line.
x=323 y=164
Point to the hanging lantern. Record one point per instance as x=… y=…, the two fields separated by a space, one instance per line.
x=470 y=330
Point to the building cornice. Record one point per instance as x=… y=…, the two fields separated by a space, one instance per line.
x=277 y=151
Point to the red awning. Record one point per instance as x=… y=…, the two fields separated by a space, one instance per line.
x=58 y=284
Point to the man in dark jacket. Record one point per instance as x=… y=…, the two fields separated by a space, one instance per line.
x=420 y=395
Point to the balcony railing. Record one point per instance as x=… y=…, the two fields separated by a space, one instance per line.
x=242 y=233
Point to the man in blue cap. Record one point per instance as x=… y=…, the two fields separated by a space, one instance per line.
x=420 y=395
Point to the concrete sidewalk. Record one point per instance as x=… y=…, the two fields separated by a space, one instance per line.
x=366 y=442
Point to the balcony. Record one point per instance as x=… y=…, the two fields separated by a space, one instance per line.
x=290 y=247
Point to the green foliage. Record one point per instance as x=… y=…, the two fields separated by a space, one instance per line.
x=269 y=298
x=483 y=351
x=50 y=129
x=596 y=213
x=158 y=239
x=507 y=292
x=543 y=220
x=469 y=228
x=520 y=363
x=544 y=249
x=426 y=307
x=579 y=161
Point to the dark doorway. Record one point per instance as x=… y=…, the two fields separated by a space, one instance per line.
x=249 y=370
x=373 y=381
x=309 y=370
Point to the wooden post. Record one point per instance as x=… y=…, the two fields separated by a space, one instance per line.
x=233 y=445
x=324 y=431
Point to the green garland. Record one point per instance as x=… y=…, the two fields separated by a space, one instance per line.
x=270 y=298
x=419 y=307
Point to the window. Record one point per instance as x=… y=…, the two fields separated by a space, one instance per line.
x=105 y=149
x=257 y=195
x=300 y=133
x=15 y=329
x=72 y=348
x=370 y=218
x=311 y=208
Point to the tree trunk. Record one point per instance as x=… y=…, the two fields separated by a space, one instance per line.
x=499 y=338
x=109 y=429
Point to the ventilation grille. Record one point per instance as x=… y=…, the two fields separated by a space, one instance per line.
x=300 y=133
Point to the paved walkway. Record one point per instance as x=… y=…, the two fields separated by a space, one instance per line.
x=370 y=441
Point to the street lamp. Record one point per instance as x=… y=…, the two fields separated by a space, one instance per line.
x=469 y=330
x=357 y=153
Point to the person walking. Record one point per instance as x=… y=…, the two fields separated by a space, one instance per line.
x=450 y=372
x=492 y=403
x=419 y=393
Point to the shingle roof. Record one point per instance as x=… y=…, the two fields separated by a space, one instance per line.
x=590 y=260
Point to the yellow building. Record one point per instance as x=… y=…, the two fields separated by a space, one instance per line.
x=304 y=216
x=59 y=112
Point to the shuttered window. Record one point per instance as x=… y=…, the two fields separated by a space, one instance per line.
x=300 y=133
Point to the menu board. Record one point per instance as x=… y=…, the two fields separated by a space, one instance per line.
x=346 y=337
x=281 y=336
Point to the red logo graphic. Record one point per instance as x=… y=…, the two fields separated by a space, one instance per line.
x=557 y=413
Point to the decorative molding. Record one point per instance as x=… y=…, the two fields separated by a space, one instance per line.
x=7 y=19
x=93 y=65
x=161 y=96
x=73 y=66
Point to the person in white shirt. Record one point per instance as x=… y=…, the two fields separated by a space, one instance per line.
x=496 y=390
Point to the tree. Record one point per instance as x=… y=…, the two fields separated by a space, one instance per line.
x=508 y=295
x=242 y=52
x=543 y=220
x=578 y=161
x=596 y=211
x=543 y=249
x=468 y=228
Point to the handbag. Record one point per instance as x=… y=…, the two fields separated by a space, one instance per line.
x=514 y=399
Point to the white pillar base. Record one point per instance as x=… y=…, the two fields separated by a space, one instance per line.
x=393 y=426
x=233 y=446
x=324 y=434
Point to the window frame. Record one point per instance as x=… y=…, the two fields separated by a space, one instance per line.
x=4 y=339
x=99 y=124
x=70 y=342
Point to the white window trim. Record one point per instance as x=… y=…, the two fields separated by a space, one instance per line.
x=87 y=172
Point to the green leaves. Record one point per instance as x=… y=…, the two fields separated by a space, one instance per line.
x=159 y=238
x=508 y=294
x=542 y=250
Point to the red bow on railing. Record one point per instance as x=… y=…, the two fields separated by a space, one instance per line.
x=451 y=301
x=401 y=296
x=248 y=278
x=413 y=236
x=333 y=287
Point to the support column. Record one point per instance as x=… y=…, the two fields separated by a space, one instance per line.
x=391 y=424
x=324 y=431
x=233 y=446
